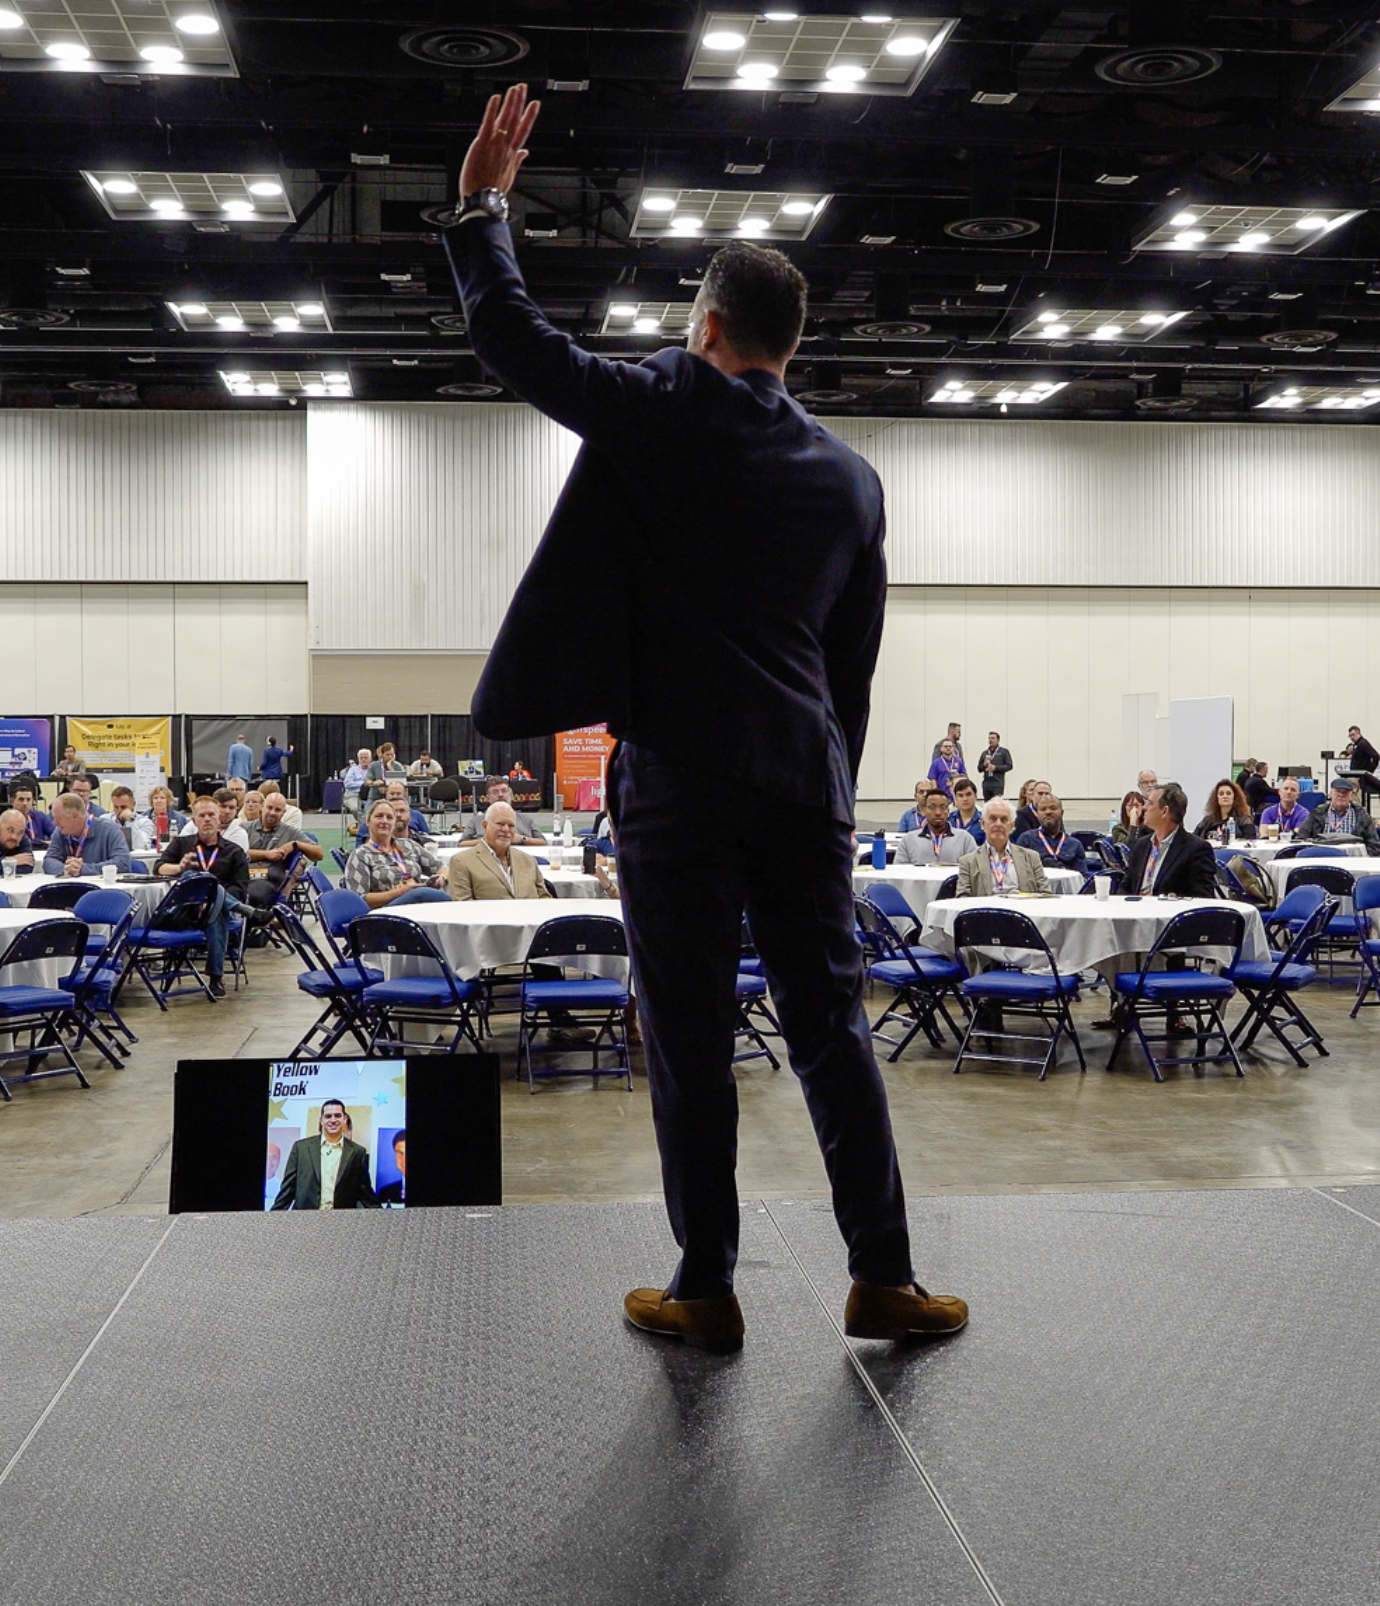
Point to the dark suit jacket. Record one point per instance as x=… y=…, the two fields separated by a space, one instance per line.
x=1189 y=868
x=728 y=545
x=301 y=1189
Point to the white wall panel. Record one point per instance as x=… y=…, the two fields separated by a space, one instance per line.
x=157 y=496
x=422 y=519
x=1048 y=667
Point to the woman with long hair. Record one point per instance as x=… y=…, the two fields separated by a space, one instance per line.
x=1128 y=828
x=1228 y=817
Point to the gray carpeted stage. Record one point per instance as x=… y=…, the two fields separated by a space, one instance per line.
x=1162 y=1398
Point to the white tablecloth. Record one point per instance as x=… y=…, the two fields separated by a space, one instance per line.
x=1086 y=932
x=564 y=883
x=147 y=896
x=36 y=972
x=919 y=884
x=1281 y=872
x=480 y=935
x=1266 y=848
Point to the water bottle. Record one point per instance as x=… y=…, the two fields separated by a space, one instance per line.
x=568 y=834
x=879 y=853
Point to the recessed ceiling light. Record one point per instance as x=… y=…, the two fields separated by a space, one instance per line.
x=1183 y=220
x=120 y=186
x=659 y=203
x=230 y=322
x=238 y=208
x=236 y=379
x=1311 y=223
x=754 y=225
x=196 y=22
x=1049 y=317
x=845 y=74
x=621 y=309
x=646 y=326
x=797 y=208
x=874 y=16
x=161 y=53
x=757 y=71
x=687 y=225
x=338 y=389
x=1255 y=238
x=781 y=16
x=1190 y=237
x=267 y=387
x=312 y=309
x=953 y=384
x=287 y=322
x=1108 y=331
x=314 y=388
x=67 y=50
x=906 y=44
x=265 y=186
x=962 y=395
x=722 y=39
x=10 y=19
x=1056 y=330
x=193 y=309
x=336 y=379
x=1153 y=317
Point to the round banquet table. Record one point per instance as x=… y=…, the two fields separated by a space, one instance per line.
x=483 y=934
x=1267 y=849
x=1087 y=933
x=35 y=972
x=919 y=884
x=1281 y=872
x=147 y=895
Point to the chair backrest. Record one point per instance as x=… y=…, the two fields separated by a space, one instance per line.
x=1300 y=950
x=947 y=887
x=446 y=790
x=396 y=934
x=187 y=904
x=572 y=936
x=1365 y=894
x=888 y=897
x=1001 y=928
x=1299 y=902
x=1291 y=851
x=62 y=937
x=339 y=906
x=341 y=858
x=1111 y=872
x=1229 y=883
x=4 y=900
x=303 y=944
x=883 y=938
x=1319 y=851
x=1201 y=928
x=1330 y=877
x=107 y=907
x=321 y=881
x=59 y=895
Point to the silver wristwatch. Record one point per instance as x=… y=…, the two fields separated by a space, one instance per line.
x=484 y=203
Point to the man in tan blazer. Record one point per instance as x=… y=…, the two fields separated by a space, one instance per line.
x=495 y=868
x=999 y=865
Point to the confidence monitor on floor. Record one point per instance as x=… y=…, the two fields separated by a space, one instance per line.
x=428 y=1125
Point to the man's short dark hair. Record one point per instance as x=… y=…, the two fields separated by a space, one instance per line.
x=964 y=784
x=326 y=1104
x=16 y=787
x=225 y=794
x=1175 y=799
x=760 y=297
x=400 y=1136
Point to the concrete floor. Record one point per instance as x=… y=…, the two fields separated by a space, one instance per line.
x=65 y=1151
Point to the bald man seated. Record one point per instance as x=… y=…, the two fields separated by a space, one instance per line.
x=495 y=868
x=14 y=842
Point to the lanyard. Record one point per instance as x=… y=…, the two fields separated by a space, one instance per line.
x=202 y=860
x=75 y=843
x=1055 y=849
x=937 y=839
x=1338 y=822
x=1151 y=864
x=399 y=863
x=1003 y=870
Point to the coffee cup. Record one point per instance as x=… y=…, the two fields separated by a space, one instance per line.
x=1102 y=886
x=9 y=867
x=109 y=873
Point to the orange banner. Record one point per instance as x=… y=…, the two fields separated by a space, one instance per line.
x=581 y=758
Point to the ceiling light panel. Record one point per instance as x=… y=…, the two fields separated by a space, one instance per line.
x=1362 y=96
x=823 y=54
x=996 y=392
x=1105 y=325
x=1250 y=230
x=160 y=38
x=267 y=383
x=670 y=214
x=308 y=316
x=1321 y=398
x=231 y=198
x=671 y=319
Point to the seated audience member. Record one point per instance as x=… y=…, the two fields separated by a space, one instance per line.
x=966 y=815
x=1169 y=859
x=1028 y=814
x=1058 y=848
x=69 y=764
x=382 y=770
x=1259 y=793
x=209 y=851
x=81 y=844
x=527 y=834
x=424 y=768
x=402 y=832
x=947 y=768
x=292 y=815
x=1228 y=817
x=1128 y=829
x=161 y=802
x=227 y=803
x=416 y=820
x=131 y=822
x=384 y=873
x=82 y=787
x=38 y=826
x=251 y=809
x=272 y=843
x=999 y=865
x=352 y=779
x=1288 y=814
x=936 y=842
x=239 y=786
x=1341 y=815
x=496 y=868
x=273 y=761
x=914 y=817
x=14 y=844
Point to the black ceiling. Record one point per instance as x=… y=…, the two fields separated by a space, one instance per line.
x=322 y=83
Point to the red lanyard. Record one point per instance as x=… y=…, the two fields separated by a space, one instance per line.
x=74 y=843
x=202 y=860
x=937 y=837
x=1054 y=850
x=1003 y=870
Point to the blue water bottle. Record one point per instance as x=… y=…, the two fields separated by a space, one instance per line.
x=879 y=853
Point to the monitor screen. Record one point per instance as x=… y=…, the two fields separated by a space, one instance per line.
x=382 y=1133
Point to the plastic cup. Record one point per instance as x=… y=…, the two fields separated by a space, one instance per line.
x=1102 y=886
x=9 y=867
x=109 y=873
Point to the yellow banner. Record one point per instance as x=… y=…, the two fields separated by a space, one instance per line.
x=114 y=744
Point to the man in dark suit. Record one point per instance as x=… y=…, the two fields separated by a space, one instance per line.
x=1167 y=858
x=330 y=1155
x=732 y=548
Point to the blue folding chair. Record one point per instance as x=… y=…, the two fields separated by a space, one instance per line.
x=60 y=895
x=337 y=908
x=4 y=900
x=1268 y=987
x=1340 y=937
x=172 y=939
x=1365 y=901
x=341 y=858
x=923 y=980
x=591 y=1001
x=438 y=999
x=1040 y=995
x=1150 y=995
x=750 y=995
x=340 y=987
x=1320 y=851
x=43 y=1014
x=887 y=897
x=1287 y=918
x=103 y=968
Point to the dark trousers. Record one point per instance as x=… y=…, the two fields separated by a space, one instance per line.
x=684 y=925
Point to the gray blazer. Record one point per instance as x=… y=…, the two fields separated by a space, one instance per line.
x=975 y=873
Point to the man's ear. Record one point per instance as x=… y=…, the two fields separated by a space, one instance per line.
x=712 y=333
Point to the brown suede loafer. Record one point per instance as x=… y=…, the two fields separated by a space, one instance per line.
x=891 y=1313
x=713 y=1324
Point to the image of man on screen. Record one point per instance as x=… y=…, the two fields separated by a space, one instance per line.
x=329 y=1171
x=395 y=1193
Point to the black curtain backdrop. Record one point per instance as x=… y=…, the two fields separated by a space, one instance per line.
x=450 y=738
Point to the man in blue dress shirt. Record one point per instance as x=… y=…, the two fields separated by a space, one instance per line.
x=241 y=760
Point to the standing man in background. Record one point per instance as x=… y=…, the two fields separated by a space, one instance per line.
x=272 y=766
x=241 y=760
x=993 y=765
x=736 y=546
x=955 y=732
